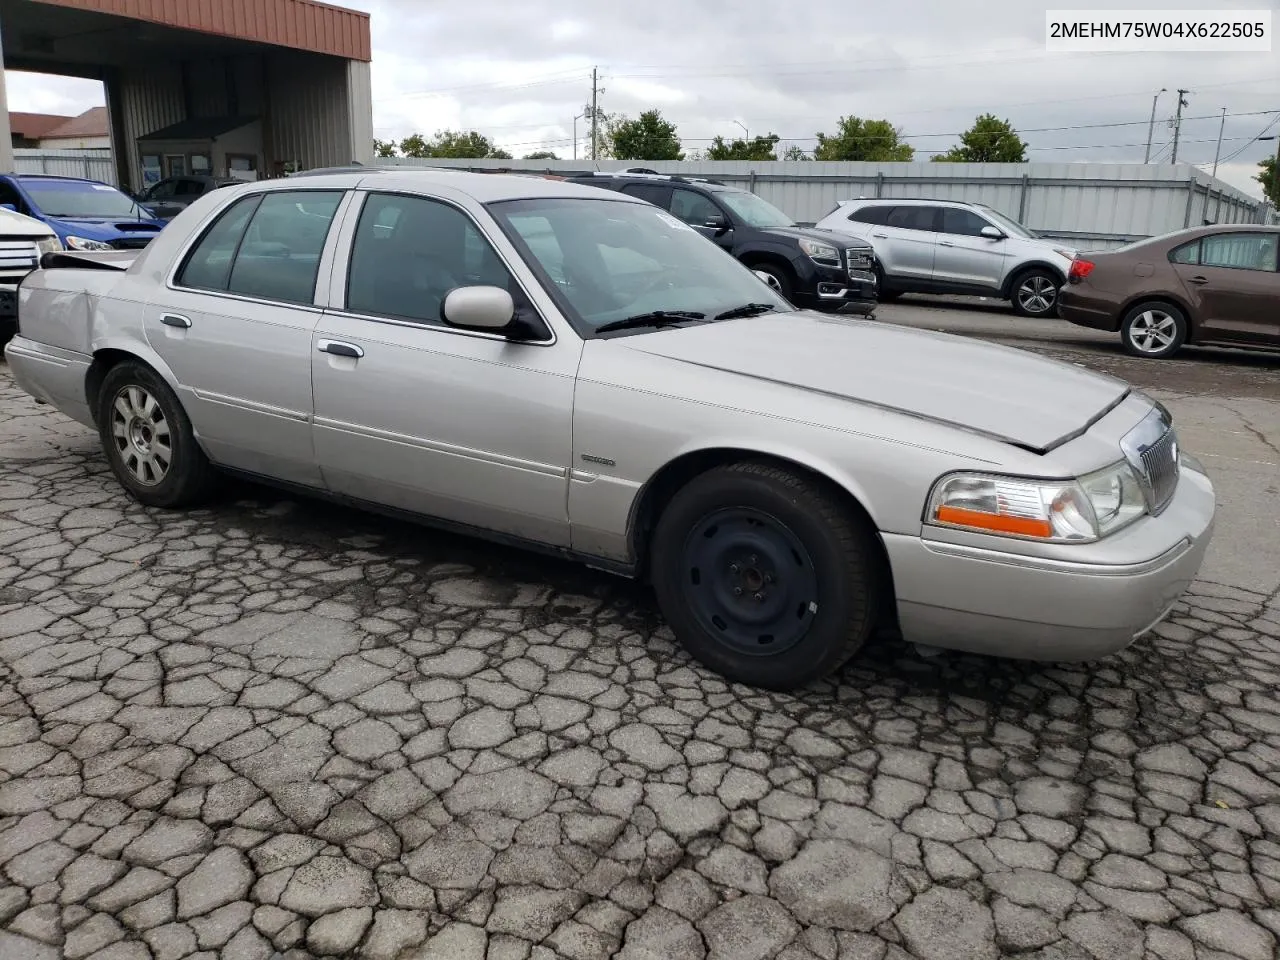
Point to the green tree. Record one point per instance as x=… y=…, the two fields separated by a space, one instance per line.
x=648 y=137
x=875 y=141
x=541 y=155
x=795 y=152
x=384 y=148
x=452 y=144
x=1270 y=182
x=989 y=140
x=757 y=148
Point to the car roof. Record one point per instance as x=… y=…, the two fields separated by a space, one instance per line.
x=57 y=179
x=483 y=187
x=909 y=201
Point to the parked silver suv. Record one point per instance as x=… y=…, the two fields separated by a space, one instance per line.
x=949 y=246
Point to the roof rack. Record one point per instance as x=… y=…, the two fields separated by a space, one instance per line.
x=349 y=168
x=672 y=177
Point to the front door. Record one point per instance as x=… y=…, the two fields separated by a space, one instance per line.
x=1234 y=286
x=235 y=330
x=963 y=256
x=410 y=413
x=175 y=165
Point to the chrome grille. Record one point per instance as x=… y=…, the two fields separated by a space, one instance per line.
x=18 y=255
x=1160 y=466
x=859 y=258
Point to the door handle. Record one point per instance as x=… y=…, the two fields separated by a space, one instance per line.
x=945 y=243
x=340 y=349
x=1198 y=280
x=174 y=320
x=881 y=236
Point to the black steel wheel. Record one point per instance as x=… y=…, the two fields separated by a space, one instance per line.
x=765 y=575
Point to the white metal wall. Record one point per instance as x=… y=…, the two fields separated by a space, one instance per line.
x=1098 y=205
x=89 y=164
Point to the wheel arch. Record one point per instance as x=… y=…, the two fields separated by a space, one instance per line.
x=756 y=258
x=654 y=496
x=110 y=354
x=1006 y=292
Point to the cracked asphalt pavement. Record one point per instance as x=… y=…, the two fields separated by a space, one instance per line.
x=279 y=729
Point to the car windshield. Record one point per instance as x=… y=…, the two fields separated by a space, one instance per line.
x=610 y=260
x=80 y=198
x=1010 y=226
x=759 y=213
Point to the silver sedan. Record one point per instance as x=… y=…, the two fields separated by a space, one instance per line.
x=573 y=370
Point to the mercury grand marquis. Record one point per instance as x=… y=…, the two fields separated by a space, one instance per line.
x=578 y=371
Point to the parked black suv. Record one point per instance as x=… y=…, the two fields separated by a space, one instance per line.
x=812 y=268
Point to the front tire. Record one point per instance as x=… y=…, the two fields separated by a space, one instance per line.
x=1035 y=293
x=1153 y=330
x=148 y=439
x=779 y=280
x=765 y=576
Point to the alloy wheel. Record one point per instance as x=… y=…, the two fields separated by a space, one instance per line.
x=141 y=434
x=1037 y=294
x=1153 y=331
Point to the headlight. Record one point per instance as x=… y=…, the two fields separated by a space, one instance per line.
x=820 y=252
x=81 y=243
x=48 y=245
x=1055 y=511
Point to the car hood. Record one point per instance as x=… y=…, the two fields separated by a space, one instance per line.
x=106 y=228
x=817 y=233
x=19 y=224
x=1011 y=395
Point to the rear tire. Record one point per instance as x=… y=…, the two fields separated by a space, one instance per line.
x=1153 y=330
x=148 y=439
x=1034 y=293
x=765 y=576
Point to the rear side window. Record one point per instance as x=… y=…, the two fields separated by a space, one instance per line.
x=1187 y=253
x=208 y=267
x=267 y=247
x=878 y=215
x=913 y=218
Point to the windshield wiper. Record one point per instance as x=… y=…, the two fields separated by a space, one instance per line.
x=654 y=318
x=746 y=310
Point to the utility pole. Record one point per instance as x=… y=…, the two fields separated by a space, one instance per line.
x=1218 y=152
x=575 y=134
x=1151 y=127
x=1177 y=124
x=595 y=110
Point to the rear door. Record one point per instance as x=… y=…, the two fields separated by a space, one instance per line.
x=1232 y=283
x=963 y=255
x=906 y=243
x=234 y=326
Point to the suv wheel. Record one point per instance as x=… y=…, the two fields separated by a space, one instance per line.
x=778 y=279
x=1035 y=293
x=764 y=575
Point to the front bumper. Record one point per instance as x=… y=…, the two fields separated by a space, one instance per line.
x=1011 y=605
x=833 y=288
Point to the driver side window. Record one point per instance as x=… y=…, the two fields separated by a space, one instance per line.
x=162 y=190
x=409 y=252
x=692 y=208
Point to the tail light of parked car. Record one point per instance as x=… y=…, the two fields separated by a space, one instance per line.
x=1080 y=268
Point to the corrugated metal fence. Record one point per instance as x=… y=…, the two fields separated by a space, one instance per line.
x=1091 y=205
x=89 y=164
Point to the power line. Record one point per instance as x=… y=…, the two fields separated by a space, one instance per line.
x=1262 y=133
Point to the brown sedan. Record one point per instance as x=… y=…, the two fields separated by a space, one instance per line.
x=1216 y=285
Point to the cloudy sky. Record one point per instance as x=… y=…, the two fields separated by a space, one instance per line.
x=520 y=72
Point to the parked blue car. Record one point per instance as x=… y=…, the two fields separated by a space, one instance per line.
x=85 y=214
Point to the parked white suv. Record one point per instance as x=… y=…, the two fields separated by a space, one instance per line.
x=949 y=246
x=23 y=241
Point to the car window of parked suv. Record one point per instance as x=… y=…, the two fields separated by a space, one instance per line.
x=692 y=208
x=877 y=215
x=409 y=252
x=189 y=188
x=962 y=223
x=913 y=218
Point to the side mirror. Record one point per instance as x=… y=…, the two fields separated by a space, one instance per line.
x=717 y=222
x=991 y=233
x=478 y=308
x=9 y=206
